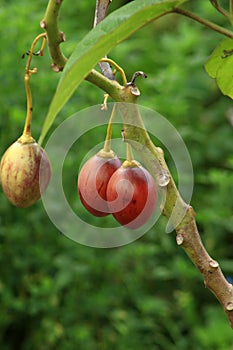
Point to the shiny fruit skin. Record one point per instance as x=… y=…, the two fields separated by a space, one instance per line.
x=132 y=196
x=92 y=183
x=24 y=173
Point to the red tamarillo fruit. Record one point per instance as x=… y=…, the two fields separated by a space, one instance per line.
x=132 y=195
x=93 y=180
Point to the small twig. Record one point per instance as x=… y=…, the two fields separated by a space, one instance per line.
x=203 y=21
x=101 y=11
x=219 y=8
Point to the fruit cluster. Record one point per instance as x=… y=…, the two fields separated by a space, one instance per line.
x=105 y=184
x=125 y=190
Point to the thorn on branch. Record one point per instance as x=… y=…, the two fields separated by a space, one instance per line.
x=43 y=24
x=179 y=239
x=56 y=68
x=63 y=36
x=229 y=306
x=214 y=264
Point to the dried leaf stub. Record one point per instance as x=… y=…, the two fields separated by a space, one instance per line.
x=135 y=90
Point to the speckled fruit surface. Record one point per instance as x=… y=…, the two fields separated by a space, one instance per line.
x=24 y=173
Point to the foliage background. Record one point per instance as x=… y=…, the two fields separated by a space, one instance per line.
x=57 y=294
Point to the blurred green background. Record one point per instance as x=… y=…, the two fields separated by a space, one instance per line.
x=57 y=294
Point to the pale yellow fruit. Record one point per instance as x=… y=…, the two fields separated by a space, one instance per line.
x=24 y=173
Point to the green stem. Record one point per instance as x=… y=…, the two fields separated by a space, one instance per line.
x=111 y=87
x=28 y=120
x=55 y=37
x=204 y=21
x=26 y=136
x=231 y=11
x=101 y=10
x=129 y=153
x=107 y=143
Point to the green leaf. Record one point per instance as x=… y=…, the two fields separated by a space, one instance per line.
x=220 y=66
x=98 y=42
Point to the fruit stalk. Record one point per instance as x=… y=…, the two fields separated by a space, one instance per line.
x=26 y=136
x=107 y=143
x=129 y=153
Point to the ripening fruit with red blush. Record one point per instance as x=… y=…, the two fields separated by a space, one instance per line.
x=93 y=180
x=132 y=195
x=24 y=173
